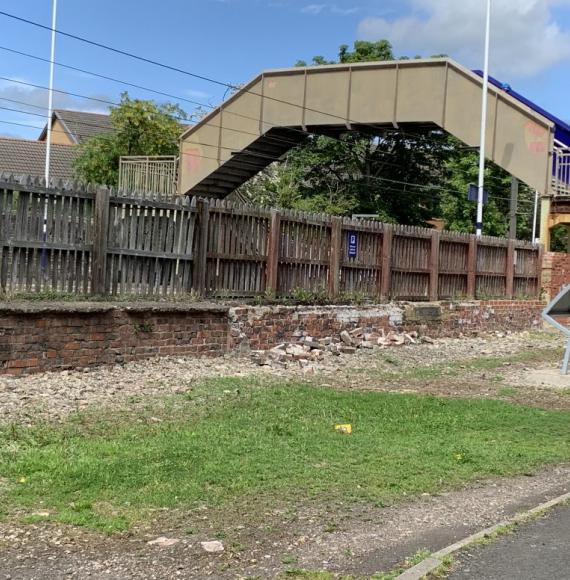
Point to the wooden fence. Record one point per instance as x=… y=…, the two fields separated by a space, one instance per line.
x=98 y=243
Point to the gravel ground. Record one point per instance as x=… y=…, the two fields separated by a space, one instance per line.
x=55 y=395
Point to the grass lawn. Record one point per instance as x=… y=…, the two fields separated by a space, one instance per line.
x=236 y=439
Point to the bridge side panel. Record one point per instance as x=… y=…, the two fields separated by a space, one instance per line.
x=373 y=95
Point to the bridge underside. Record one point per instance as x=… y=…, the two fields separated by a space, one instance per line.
x=278 y=109
x=245 y=164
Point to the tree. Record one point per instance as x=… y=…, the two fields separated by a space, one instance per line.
x=363 y=51
x=140 y=128
x=462 y=169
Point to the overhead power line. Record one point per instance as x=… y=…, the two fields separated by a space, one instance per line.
x=155 y=63
x=197 y=103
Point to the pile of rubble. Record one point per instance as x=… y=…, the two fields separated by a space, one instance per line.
x=308 y=349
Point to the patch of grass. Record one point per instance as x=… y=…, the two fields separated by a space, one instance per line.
x=410 y=562
x=475 y=364
x=508 y=392
x=239 y=440
x=443 y=569
x=494 y=535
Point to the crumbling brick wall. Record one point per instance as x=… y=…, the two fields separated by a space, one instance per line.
x=555 y=273
x=263 y=327
x=42 y=337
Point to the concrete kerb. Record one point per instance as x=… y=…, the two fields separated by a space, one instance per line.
x=436 y=559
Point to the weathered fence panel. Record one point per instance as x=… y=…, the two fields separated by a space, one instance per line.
x=46 y=240
x=361 y=263
x=236 y=250
x=453 y=265
x=98 y=243
x=149 y=247
x=304 y=253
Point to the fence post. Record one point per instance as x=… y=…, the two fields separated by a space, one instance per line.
x=201 y=251
x=510 y=271
x=472 y=267
x=100 y=239
x=273 y=252
x=386 y=280
x=434 y=266
x=334 y=264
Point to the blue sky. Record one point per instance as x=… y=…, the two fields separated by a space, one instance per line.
x=233 y=40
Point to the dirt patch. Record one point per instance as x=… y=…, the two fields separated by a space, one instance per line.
x=359 y=540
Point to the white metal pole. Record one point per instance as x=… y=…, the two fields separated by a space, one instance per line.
x=50 y=93
x=481 y=184
x=534 y=217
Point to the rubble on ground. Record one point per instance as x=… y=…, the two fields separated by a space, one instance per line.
x=308 y=349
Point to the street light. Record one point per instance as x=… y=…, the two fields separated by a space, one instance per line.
x=50 y=93
x=481 y=184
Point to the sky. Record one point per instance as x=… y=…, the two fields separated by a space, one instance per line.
x=233 y=40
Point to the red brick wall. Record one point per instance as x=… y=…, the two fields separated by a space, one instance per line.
x=35 y=340
x=555 y=273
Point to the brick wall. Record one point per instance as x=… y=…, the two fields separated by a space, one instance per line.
x=262 y=327
x=36 y=337
x=555 y=273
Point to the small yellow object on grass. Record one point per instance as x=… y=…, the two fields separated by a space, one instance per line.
x=345 y=429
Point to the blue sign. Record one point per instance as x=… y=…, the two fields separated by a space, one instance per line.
x=352 y=244
x=473 y=193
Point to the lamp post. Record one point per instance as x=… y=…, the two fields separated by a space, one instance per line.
x=50 y=93
x=481 y=183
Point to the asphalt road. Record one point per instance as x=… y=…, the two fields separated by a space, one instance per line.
x=538 y=550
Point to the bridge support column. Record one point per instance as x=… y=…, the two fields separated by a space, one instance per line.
x=545 y=203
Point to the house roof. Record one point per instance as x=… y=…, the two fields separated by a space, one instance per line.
x=81 y=125
x=23 y=157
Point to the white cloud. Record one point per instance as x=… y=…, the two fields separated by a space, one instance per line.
x=344 y=11
x=333 y=8
x=525 y=37
x=196 y=94
x=33 y=99
x=313 y=8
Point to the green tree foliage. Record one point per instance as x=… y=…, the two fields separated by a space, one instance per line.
x=140 y=128
x=363 y=52
x=460 y=170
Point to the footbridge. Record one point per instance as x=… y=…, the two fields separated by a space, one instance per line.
x=280 y=108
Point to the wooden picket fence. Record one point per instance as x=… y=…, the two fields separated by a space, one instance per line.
x=97 y=243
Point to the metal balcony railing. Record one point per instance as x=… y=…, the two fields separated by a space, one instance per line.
x=149 y=177
x=561 y=170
